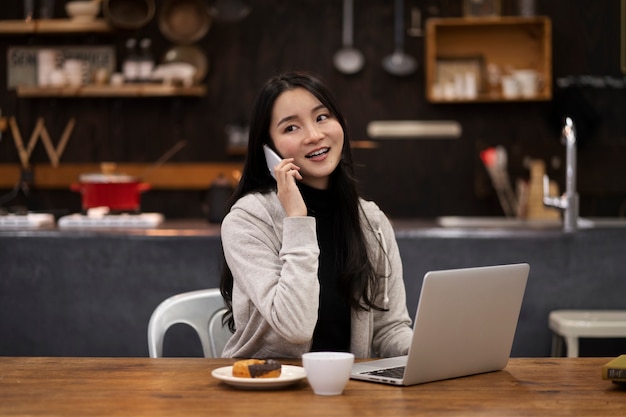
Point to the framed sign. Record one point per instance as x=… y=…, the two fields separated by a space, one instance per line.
x=22 y=61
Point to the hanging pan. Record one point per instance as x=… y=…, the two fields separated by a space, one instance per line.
x=184 y=21
x=128 y=14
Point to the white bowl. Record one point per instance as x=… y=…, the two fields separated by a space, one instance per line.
x=82 y=10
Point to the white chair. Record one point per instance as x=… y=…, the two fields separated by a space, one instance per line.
x=202 y=310
x=570 y=325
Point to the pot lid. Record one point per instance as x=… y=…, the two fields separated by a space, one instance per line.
x=129 y=14
x=99 y=177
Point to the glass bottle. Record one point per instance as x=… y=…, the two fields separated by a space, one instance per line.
x=526 y=8
x=130 y=66
x=146 y=61
x=29 y=10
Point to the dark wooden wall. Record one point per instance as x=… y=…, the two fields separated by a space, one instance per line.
x=408 y=178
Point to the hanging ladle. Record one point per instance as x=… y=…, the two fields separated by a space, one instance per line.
x=348 y=60
x=399 y=63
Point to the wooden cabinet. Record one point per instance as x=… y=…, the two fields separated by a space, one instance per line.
x=469 y=59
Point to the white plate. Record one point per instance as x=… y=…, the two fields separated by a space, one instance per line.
x=289 y=375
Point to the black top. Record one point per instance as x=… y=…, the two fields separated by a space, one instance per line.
x=332 y=331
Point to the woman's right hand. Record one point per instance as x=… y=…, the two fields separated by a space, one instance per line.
x=287 y=173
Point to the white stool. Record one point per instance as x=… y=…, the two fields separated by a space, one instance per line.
x=573 y=324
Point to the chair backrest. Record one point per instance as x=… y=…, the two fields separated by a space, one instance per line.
x=202 y=310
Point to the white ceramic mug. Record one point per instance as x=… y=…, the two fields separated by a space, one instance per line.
x=57 y=78
x=510 y=87
x=47 y=62
x=528 y=81
x=74 y=71
x=328 y=372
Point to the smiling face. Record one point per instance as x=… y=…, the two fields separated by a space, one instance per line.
x=304 y=129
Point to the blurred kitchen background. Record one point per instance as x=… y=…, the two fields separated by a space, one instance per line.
x=417 y=177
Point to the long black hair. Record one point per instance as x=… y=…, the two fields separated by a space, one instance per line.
x=357 y=279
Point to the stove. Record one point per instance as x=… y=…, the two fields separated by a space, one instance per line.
x=26 y=221
x=82 y=221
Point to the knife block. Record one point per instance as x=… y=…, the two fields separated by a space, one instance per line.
x=536 y=209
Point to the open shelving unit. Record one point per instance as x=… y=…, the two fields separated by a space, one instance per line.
x=506 y=42
x=70 y=26
x=183 y=176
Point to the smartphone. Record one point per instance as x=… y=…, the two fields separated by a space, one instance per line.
x=271 y=158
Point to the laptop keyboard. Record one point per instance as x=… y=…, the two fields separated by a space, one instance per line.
x=397 y=372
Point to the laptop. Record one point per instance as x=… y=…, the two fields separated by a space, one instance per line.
x=464 y=325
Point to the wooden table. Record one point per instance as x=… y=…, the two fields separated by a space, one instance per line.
x=51 y=386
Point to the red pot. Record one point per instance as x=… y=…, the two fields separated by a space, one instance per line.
x=118 y=192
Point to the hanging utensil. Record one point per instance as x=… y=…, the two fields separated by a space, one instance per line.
x=416 y=23
x=399 y=63
x=164 y=158
x=348 y=60
x=184 y=21
x=129 y=14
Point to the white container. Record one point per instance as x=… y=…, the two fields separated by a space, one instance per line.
x=510 y=87
x=528 y=82
x=82 y=10
x=73 y=69
x=47 y=62
x=117 y=79
x=57 y=78
x=471 y=86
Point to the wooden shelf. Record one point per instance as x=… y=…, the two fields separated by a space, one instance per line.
x=505 y=42
x=170 y=176
x=52 y=26
x=17 y=27
x=126 y=90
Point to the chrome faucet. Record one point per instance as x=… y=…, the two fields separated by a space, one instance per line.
x=568 y=202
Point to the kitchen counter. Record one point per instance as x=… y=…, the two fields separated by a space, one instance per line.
x=200 y=227
x=91 y=292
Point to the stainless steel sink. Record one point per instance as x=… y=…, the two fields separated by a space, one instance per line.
x=515 y=223
x=610 y=222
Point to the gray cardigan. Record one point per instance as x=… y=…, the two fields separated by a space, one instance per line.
x=274 y=261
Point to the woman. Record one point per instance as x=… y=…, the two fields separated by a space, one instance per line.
x=309 y=264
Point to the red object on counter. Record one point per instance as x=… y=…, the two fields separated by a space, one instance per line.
x=118 y=193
